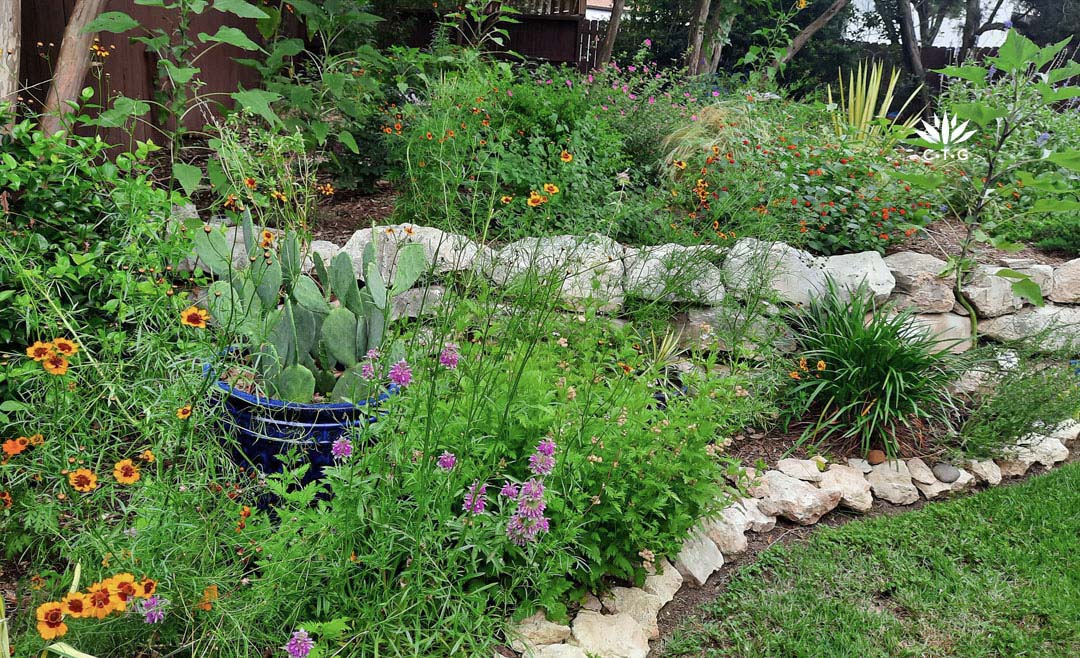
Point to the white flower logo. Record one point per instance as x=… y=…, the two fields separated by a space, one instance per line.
x=945 y=131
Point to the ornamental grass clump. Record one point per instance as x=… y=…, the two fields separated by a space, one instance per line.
x=869 y=375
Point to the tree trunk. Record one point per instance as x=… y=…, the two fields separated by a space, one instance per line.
x=697 y=35
x=810 y=30
x=10 y=48
x=912 y=52
x=719 y=40
x=71 y=65
x=972 y=20
x=608 y=44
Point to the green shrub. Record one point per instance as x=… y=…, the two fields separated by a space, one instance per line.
x=1036 y=393
x=865 y=371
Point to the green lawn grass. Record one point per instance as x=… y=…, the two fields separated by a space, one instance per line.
x=994 y=574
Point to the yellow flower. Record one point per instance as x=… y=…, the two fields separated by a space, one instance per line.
x=65 y=346
x=147 y=456
x=794 y=374
x=36 y=439
x=279 y=196
x=123 y=584
x=551 y=188
x=679 y=164
x=40 y=351
x=184 y=412
x=801 y=4
x=83 y=480
x=126 y=472
x=566 y=156
x=55 y=364
x=821 y=366
x=506 y=199
x=103 y=600
x=266 y=239
x=536 y=199
x=194 y=316
x=50 y=621
x=75 y=605
x=146 y=588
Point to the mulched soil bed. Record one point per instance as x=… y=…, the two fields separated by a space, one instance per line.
x=345 y=213
x=943 y=238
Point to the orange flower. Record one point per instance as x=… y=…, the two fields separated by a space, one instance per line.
x=146 y=588
x=506 y=199
x=279 y=196
x=55 y=364
x=75 y=605
x=326 y=189
x=794 y=374
x=566 y=156
x=194 y=316
x=123 y=584
x=184 y=412
x=266 y=239
x=13 y=447
x=39 y=351
x=536 y=199
x=5 y=498
x=50 y=621
x=126 y=472
x=230 y=201
x=83 y=480
x=102 y=600
x=65 y=346
x=147 y=456
x=551 y=188
x=250 y=182
x=210 y=594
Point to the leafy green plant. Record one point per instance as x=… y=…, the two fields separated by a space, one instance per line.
x=865 y=372
x=858 y=120
x=1033 y=393
x=1014 y=89
x=306 y=347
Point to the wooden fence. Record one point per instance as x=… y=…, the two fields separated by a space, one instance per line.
x=128 y=69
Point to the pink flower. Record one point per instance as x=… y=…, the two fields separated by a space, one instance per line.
x=367 y=371
x=400 y=373
x=446 y=461
x=341 y=449
x=648 y=43
x=715 y=93
x=652 y=100
x=300 y=645
x=449 y=356
x=475 y=499
x=510 y=490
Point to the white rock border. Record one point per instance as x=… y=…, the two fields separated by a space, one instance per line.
x=628 y=619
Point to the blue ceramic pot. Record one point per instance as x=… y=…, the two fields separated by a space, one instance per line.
x=266 y=429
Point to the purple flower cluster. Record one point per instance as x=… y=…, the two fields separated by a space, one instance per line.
x=446 y=461
x=475 y=498
x=542 y=462
x=449 y=356
x=401 y=373
x=341 y=449
x=300 y=644
x=152 y=611
x=528 y=520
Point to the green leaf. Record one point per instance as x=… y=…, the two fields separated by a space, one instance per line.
x=66 y=650
x=980 y=113
x=307 y=294
x=189 y=177
x=1016 y=53
x=1067 y=159
x=111 y=21
x=1051 y=95
x=339 y=336
x=346 y=138
x=296 y=384
x=268 y=26
x=230 y=35
x=1070 y=70
x=1029 y=290
x=240 y=8
x=321 y=130
x=410 y=265
x=1055 y=205
x=179 y=75
x=976 y=74
x=1047 y=54
x=258 y=101
x=375 y=285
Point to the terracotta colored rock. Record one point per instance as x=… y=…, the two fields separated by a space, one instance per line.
x=875 y=457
